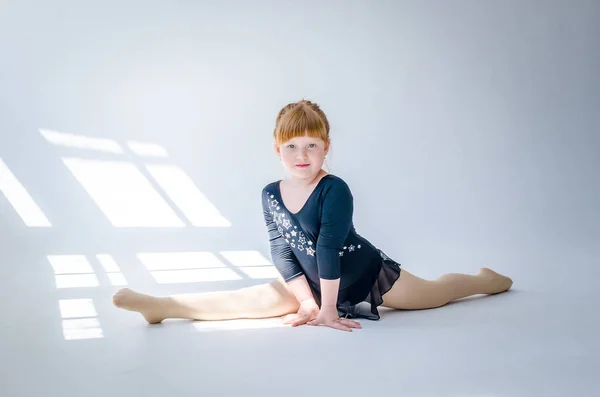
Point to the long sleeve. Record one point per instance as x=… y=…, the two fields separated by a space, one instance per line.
x=283 y=258
x=336 y=222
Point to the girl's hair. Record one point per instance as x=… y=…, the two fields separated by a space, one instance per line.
x=299 y=119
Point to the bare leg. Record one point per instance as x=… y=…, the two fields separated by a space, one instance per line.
x=412 y=292
x=260 y=301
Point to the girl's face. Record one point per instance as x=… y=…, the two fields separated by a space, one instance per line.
x=303 y=156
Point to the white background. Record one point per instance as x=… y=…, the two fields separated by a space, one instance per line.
x=467 y=131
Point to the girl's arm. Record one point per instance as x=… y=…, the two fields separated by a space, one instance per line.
x=308 y=309
x=328 y=315
x=301 y=290
x=283 y=258
x=329 y=294
x=336 y=222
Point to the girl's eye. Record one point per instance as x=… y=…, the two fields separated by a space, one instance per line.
x=312 y=145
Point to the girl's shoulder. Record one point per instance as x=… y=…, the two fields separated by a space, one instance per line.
x=332 y=179
x=270 y=187
x=336 y=185
x=329 y=180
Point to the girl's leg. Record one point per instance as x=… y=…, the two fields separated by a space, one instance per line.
x=260 y=301
x=411 y=292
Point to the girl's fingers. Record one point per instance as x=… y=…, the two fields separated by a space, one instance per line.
x=295 y=319
x=340 y=326
x=350 y=323
x=290 y=318
x=300 y=321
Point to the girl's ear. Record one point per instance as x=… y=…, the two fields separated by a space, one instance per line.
x=276 y=148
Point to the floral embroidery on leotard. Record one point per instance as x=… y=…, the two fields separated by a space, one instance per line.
x=284 y=224
x=303 y=244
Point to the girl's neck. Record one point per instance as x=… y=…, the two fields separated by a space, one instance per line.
x=306 y=182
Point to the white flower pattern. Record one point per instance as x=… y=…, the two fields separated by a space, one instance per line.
x=303 y=243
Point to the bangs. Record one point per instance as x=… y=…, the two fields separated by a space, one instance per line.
x=298 y=122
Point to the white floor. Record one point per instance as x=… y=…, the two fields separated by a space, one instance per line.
x=528 y=342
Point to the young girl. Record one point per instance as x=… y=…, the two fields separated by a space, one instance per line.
x=329 y=273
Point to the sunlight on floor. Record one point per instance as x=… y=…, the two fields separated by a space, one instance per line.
x=182 y=191
x=73 y=271
x=113 y=271
x=75 y=308
x=122 y=192
x=79 y=319
x=76 y=271
x=126 y=196
x=252 y=263
x=211 y=326
x=186 y=267
x=147 y=149
x=191 y=267
x=81 y=142
x=22 y=202
x=132 y=194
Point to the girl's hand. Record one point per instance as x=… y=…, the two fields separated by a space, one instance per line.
x=329 y=317
x=308 y=311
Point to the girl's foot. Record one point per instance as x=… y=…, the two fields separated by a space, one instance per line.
x=498 y=282
x=146 y=305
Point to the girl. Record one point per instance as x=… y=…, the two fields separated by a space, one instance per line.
x=329 y=273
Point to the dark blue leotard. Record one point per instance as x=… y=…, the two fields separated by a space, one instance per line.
x=320 y=242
